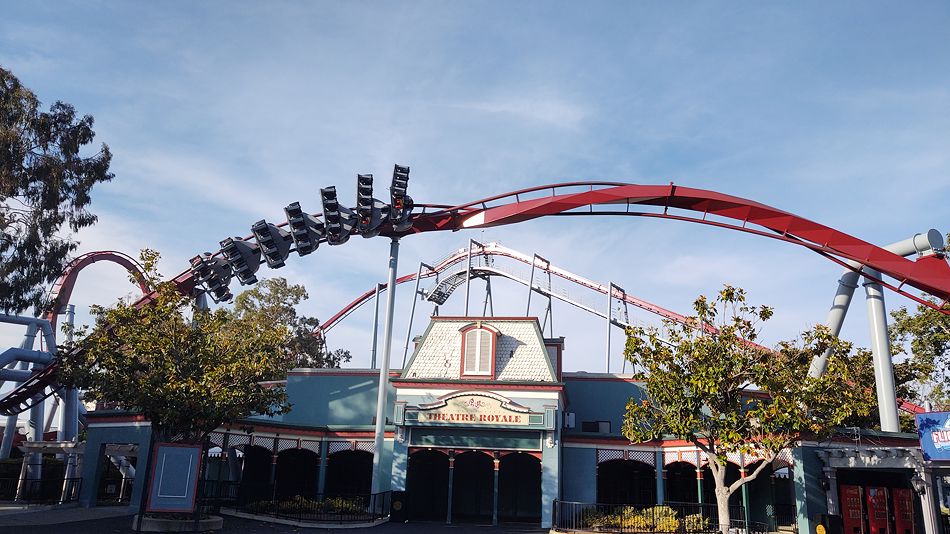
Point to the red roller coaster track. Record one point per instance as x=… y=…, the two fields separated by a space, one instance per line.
x=930 y=274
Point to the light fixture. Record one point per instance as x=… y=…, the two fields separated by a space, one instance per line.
x=919 y=484
x=273 y=241
x=244 y=259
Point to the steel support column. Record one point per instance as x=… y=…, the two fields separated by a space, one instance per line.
x=881 y=350
x=382 y=396
x=372 y=362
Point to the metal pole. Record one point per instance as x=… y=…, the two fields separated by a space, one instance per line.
x=372 y=363
x=527 y=310
x=382 y=396
x=550 y=302
x=609 y=303
x=487 y=297
x=10 y=429
x=412 y=314
x=468 y=274
x=71 y=404
x=918 y=243
x=881 y=350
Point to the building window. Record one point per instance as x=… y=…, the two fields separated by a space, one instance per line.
x=602 y=427
x=478 y=352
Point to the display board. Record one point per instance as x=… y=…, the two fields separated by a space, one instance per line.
x=176 y=469
x=934 y=431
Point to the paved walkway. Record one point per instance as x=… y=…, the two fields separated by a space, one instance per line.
x=118 y=519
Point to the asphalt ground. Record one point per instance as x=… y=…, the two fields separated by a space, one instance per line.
x=103 y=521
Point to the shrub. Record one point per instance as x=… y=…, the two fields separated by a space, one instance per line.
x=696 y=523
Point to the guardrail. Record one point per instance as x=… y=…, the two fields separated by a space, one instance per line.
x=42 y=491
x=670 y=517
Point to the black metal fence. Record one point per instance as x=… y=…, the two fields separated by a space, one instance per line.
x=40 y=491
x=315 y=508
x=670 y=517
x=115 y=490
x=784 y=515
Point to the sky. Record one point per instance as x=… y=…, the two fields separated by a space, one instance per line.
x=219 y=114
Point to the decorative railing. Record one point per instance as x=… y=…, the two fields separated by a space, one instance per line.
x=312 y=508
x=668 y=518
x=40 y=491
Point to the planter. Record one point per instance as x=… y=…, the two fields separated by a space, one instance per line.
x=158 y=524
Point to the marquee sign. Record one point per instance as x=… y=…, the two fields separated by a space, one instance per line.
x=475 y=408
x=934 y=431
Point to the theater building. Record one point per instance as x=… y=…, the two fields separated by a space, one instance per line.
x=483 y=426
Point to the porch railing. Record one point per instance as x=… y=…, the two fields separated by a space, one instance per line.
x=670 y=517
x=40 y=491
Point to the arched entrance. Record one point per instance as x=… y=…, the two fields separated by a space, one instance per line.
x=255 y=475
x=427 y=486
x=349 y=473
x=519 y=488
x=473 y=487
x=681 y=483
x=297 y=473
x=626 y=482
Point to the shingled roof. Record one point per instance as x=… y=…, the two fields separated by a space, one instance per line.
x=520 y=355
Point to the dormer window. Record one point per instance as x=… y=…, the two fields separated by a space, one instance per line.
x=478 y=351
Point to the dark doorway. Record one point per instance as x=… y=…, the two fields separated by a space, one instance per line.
x=297 y=472
x=519 y=488
x=349 y=473
x=427 y=486
x=114 y=488
x=473 y=488
x=255 y=475
x=626 y=482
x=681 y=483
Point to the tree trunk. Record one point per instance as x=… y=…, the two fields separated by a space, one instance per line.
x=722 y=505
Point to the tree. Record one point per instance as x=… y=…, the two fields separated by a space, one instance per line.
x=927 y=332
x=45 y=185
x=274 y=301
x=710 y=384
x=188 y=371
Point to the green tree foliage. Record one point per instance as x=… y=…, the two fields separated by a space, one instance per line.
x=710 y=384
x=188 y=371
x=273 y=301
x=926 y=332
x=45 y=185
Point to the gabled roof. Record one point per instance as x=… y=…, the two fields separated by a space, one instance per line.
x=520 y=353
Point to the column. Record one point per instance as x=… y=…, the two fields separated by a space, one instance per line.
x=448 y=513
x=322 y=476
x=494 y=497
x=273 y=470
x=699 y=484
x=928 y=504
x=746 y=508
x=660 y=478
x=831 y=474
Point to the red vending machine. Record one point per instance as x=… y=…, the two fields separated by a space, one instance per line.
x=903 y=510
x=852 y=510
x=878 y=520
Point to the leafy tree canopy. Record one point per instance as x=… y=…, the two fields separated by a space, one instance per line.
x=274 y=301
x=45 y=185
x=926 y=332
x=710 y=384
x=188 y=371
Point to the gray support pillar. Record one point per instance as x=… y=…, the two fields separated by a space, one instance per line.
x=609 y=303
x=494 y=496
x=834 y=507
x=448 y=508
x=412 y=313
x=918 y=244
x=10 y=425
x=468 y=275
x=322 y=477
x=881 y=349
x=372 y=363
x=660 y=478
x=382 y=398
x=70 y=422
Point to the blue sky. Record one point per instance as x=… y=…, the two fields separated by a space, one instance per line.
x=221 y=113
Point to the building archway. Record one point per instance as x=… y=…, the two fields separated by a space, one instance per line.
x=519 y=488
x=349 y=473
x=626 y=482
x=709 y=484
x=681 y=483
x=255 y=474
x=427 y=485
x=473 y=487
x=297 y=473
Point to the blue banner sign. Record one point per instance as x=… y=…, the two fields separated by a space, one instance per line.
x=934 y=431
